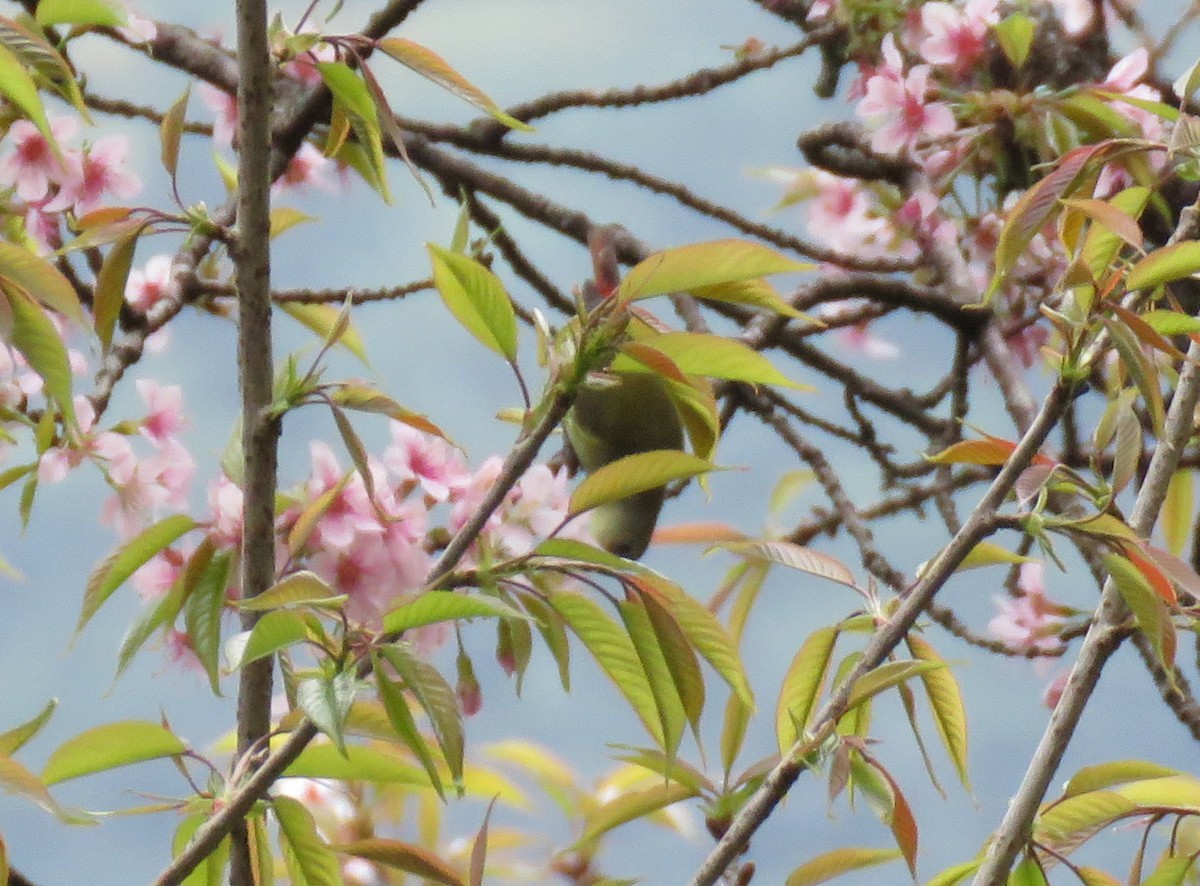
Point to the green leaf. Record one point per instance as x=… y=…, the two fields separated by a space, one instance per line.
x=16 y=779
x=326 y=701
x=297 y=589
x=110 y=286
x=1111 y=774
x=1170 y=871
x=946 y=703
x=202 y=615
x=836 y=862
x=886 y=676
x=429 y=64
x=1035 y=207
x=321 y=320
x=1171 y=322
x=34 y=335
x=756 y=293
x=636 y=473
x=170 y=133
x=367 y=399
x=671 y=715
x=41 y=280
x=1068 y=822
x=18 y=87
x=699 y=265
x=1015 y=36
x=476 y=298
x=276 y=630
x=1153 y=617
x=210 y=871
x=437 y=699
x=86 y=13
x=987 y=553
x=613 y=651
x=109 y=747
x=793 y=556
x=717 y=357
x=47 y=64
x=438 y=606
x=701 y=629
x=802 y=685
x=357 y=764
x=14 y=739
x=630 y=806
x=122 y=563
x=309 y=859
x=403 y=857
x=401 y=718
x=1165 y=265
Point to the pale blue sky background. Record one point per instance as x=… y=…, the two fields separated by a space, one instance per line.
x=517 y=49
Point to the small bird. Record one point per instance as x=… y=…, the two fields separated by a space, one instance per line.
x=630 y=412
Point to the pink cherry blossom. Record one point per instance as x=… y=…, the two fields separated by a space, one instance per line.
x=1054 y=689
x=147 y=285
x=164 y=404
x=225 y=502
x=32 y=166
x=897 y=105
x=418 y=458
x=953 y=36
x=1028 y=621
x=842 y=216
x=308 y=166
x=110 y=449
x=156 y=577
x=225 y=107
x=91 y=174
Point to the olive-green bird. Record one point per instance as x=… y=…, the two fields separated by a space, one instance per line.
x=631 y=413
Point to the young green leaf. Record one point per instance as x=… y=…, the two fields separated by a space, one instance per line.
x=631 y=806
x=401 y=718
x=86 y=13
x=636 y=473
x=429 y=64
x=276 y=630
x=41 y=280
x=802 y=685
x=34 y=335
x=886 y=676
x=437 y=699
x=717 y=357
x=405 y=857
x=297 y=589
x=126 y=560
x=321 y=320
x=836 y=862
x=110 y=286
x=614 y=652
x=437 y=606
x=700 y=265
x=170 y=133
x=1153 y=617
x=14 y=739
x=326 y=701
x=372 y=764
x=671 y=715
x=476 y=298
x=309 y=860
x=202 y=615
x=1165 y=265
x=946 y=704
x=109 y=747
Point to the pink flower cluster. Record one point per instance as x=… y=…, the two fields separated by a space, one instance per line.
x=144 y=487
x=1029 y=621
x=50 y=183
x=374 y=544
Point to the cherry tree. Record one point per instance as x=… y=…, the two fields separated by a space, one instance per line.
x=1017 y=176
